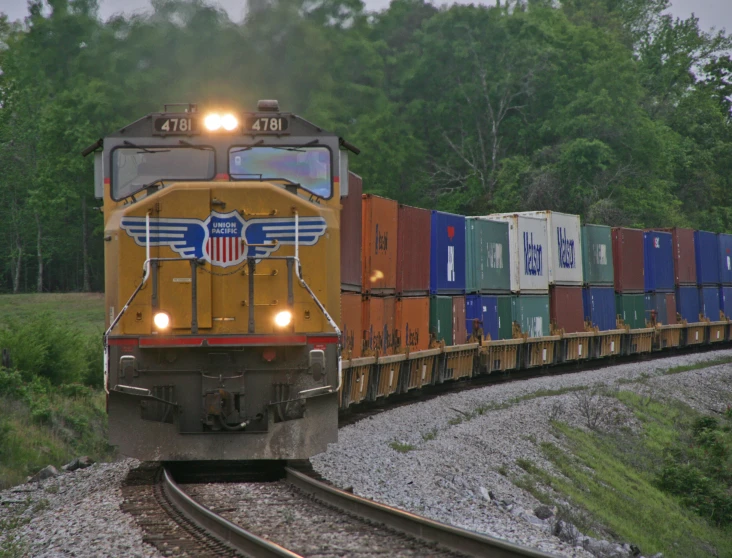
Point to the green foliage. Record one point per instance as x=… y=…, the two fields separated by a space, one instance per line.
x=699 y=470
x=45 y=347
x=611 y=109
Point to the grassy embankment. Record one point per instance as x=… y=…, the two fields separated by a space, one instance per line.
x=664 y=488
x=51 y=402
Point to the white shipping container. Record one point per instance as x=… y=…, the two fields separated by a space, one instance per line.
x=527 y=240
x=565 y=248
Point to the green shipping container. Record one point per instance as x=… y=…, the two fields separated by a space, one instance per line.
x=441 y=318
x=532 y=313
x=597 y=255
x=486 y=256
x=632 y=309
x=505 y=316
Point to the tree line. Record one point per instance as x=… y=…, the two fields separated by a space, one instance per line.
x=612 y=109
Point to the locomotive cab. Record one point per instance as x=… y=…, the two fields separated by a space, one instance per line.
x=222 y=256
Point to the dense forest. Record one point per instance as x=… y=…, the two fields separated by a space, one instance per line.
x=608 y=108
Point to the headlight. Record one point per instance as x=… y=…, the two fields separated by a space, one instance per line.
x=212 y=122
x=161 y=320
x=283 y=319
x=229 y=122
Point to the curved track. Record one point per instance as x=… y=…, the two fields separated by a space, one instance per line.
x=362 y=526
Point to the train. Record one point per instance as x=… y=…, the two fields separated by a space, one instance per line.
x=241 y=321
x=222 y=283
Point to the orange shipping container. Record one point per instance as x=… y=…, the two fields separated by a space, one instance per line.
x=379 y=321
x=379 y=216
x=413 y=323
x=351 y=235
x=459 y=333
x=351 y=325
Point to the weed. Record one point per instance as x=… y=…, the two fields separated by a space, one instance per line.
x=454 y=421
x=52 y=489
x=402 y=447
x=556 y=412
x=502 y=470
x=595 y=407
x=698 y=365
x=431 y=435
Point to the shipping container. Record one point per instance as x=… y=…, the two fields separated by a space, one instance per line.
x=631 y=308
x=412 y=322
x=379 y=244
x=658 y=261
x=459 y=333
x=413 y=251
x=599 y=307
x=352 y=325
x=565 y=308
x=351 y=271
x=527 y=241
x=664 y=306
x=725 y=258
x=709 y=304
x=487 y=258
x=531 y=313
x=706 y=246
x=483 y=308
x=447 y=253
x=684 y=254
x=628 y=260
x=379 y=319
x=687 y=303
x=504 y=304
x=564 y=246
x=597 y=255
x=725 y=301
x=441 y=318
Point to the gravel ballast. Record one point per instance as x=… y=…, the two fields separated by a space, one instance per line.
x=449 y=466
x=449 y=471
x=74 y=514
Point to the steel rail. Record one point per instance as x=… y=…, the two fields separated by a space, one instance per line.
x=453 y=538
x=242 y=540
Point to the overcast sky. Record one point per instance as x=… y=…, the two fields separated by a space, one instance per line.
x=711 y=13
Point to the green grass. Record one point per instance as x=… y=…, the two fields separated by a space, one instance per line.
x=402 y=447
x=54 y=431
x=698 y=365
x=612 y=480
x=83 y=310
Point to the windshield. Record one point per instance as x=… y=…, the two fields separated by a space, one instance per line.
x=135 y=167
x=307 y=166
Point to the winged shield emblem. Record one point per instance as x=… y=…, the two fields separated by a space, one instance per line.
x=218 y=239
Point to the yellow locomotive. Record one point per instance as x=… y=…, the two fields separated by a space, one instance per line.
x=222 y=254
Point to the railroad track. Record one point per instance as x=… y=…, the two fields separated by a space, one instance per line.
x=297 y=516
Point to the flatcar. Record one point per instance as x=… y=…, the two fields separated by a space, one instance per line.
x=222 y=283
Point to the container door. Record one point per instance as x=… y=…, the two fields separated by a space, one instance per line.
x=566 y=241
x=533 y=257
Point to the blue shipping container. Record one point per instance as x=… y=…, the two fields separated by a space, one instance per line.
x=664 y=304
x=687 y=303
x=599 y=305
x=706 y=246
x=725 y=258
x=709 y=302
x=447 y=254
x=485 y=310
x=725 y=301
x=658 y=260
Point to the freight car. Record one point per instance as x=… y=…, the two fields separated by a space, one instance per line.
x=368 y=378
x=222 y=243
